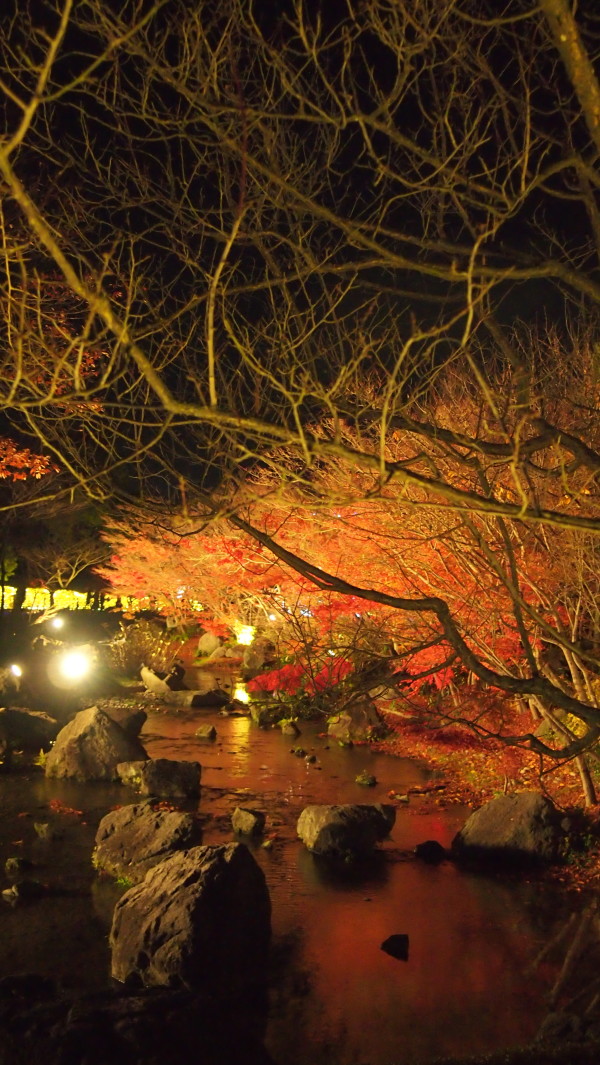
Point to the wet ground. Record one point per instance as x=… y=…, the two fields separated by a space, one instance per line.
x=337 y=998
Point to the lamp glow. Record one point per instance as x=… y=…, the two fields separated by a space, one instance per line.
x=241 y=695
x=244 y=634
x=57 y=623
x=16 y=670
x=74 y=665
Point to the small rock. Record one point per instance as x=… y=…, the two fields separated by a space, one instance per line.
x=206 y=732
x=396 y=946
x=163 y=778
x=14 y=866
x=47 y=831
x=430 y=851
x=311 y=759
x=24 y=891
x=367 y=780
x=298 y=751
x=248 y=822
x=289 y=728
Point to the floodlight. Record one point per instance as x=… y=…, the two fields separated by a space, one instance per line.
x=74 y=665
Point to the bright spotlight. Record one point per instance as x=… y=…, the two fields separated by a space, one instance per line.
x=272 y=617
x=245 y=634
x=57 y=623
x=74 y=665
x=241 y=695
x=16 y=670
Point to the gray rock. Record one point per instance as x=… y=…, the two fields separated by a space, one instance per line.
x=358 y=722
x=90 y=747
x=208 y=643
x=248 y=822
x=131 y=719
x=512 y=827
x=351 y=829
x=206 y=732
x=200 y=920
x=215 y=697
x=163 y=778
x=134 y=839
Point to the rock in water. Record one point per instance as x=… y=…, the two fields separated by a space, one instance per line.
x=164 y=778
x=360 y=721
x=248 y=822
x=200 y=920
x=396 y=946
x=525 y=826
x=90 y=747
x=350 y=829
x=134 y=839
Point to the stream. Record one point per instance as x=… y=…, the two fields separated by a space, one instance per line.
x=336 y=998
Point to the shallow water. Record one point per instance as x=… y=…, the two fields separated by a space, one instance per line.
x=337 y=997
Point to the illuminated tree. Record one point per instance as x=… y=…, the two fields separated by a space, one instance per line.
x=256 y=215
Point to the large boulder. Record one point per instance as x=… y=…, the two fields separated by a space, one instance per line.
x=163 y=778
x=359 y=721
x=91 y=746
x=133 y=839
x=200 y=920
x=525 y=826
x=28 y=730
x=349 y=830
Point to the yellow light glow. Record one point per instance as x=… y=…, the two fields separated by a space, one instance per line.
x=74 y=665
x=244 y=633
x=241 y=695
x=16 y=671
x=57 y=623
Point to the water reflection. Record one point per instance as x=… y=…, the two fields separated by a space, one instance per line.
x=340 y=998
x=239 y=746
x=337 y=998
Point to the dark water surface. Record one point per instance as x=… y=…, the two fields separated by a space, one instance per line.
x=337 y=997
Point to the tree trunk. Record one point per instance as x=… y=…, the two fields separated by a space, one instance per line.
x=589 y=791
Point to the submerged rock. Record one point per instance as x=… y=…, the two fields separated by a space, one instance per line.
x=90 y=747
x=350 y=829
x=525 y=826
x=164 y=778
x=200 y=920
x=134 y=839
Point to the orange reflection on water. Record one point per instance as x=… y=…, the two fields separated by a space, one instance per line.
x=239 y=735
